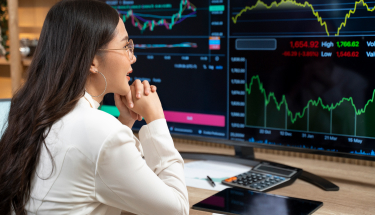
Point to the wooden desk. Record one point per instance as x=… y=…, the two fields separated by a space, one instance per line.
x=357 y=183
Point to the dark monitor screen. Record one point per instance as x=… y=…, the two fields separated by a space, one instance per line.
x=181 y=51
x=288 y=74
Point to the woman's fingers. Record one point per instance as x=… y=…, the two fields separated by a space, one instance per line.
x=128 y=100
x=119 y=104
x=133 y=115
x=138 y=87
x=147 y=87
x=143 y=87
x=153 y=88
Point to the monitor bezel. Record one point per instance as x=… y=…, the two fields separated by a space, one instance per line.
x=274 y=147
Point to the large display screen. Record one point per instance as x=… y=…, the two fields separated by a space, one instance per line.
x=285 y=73
x=180 y=47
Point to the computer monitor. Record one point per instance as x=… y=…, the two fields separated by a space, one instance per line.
x=290 y=75
x=4 y=112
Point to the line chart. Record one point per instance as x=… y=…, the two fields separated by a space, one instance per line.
x=262 y=5
x=139 y=21
x=153 y=46
x=261 y=105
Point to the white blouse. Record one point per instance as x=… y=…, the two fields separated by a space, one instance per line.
x=100 y=167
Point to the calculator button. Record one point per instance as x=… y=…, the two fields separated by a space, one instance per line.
x=259 y=187
x=231 y=179
x=255 y=180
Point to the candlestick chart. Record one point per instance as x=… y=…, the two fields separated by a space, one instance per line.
x=176 y=18
x=148 y=17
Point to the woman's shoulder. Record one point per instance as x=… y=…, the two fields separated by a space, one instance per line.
x=87 y=129
x=94 y=119
x=97 y=120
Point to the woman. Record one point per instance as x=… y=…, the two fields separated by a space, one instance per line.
x=59 y=154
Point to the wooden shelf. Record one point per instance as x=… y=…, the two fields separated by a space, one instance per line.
x=3 y=61
x=25 y=61
x=26 y=18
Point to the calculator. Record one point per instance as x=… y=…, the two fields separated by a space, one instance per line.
x=265 y=176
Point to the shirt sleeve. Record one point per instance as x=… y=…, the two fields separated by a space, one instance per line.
x=153 y=185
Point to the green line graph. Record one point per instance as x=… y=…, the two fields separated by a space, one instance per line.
x=342 y=117
x=293 y=3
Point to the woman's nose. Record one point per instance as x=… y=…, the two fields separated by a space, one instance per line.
x=134 y=59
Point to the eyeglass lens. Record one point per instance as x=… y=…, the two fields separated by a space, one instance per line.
x=131 y=49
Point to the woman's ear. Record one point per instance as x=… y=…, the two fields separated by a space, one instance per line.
x=94 y=65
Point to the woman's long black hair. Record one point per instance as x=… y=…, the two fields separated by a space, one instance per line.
x=72 y=33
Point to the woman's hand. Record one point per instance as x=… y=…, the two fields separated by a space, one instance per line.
x=147 y=106
x=127 y=116
x=139 y=87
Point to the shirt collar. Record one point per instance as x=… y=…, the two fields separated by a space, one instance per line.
x=92 y=102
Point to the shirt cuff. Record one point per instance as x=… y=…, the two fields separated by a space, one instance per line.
x=156 y=127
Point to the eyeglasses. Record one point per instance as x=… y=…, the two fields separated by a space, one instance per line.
x=129 y=49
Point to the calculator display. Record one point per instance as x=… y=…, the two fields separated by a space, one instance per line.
x=275 y=170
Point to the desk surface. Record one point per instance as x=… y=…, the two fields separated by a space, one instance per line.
x=357 y=183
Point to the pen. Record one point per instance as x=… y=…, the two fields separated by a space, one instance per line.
x=211 y=181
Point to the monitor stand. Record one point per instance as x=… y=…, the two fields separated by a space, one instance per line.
x=245 y=156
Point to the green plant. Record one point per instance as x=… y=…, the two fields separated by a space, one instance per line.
x=4 y=28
